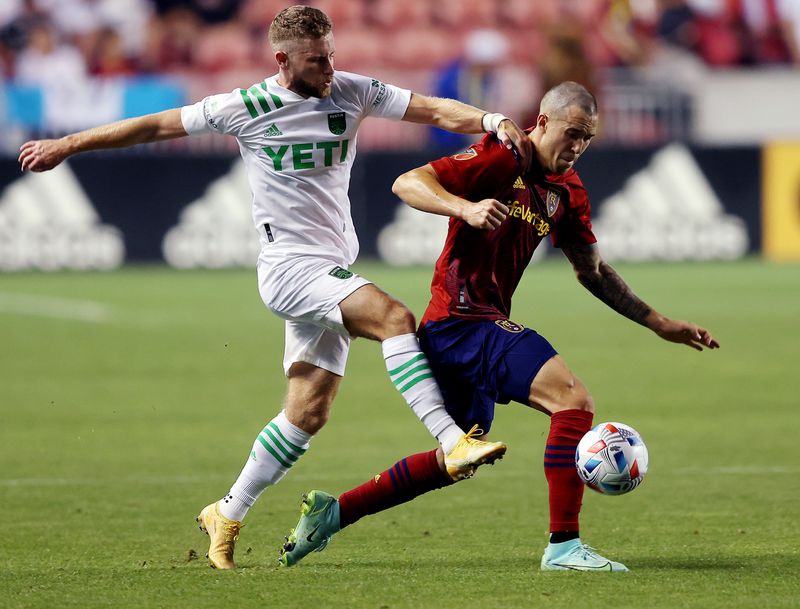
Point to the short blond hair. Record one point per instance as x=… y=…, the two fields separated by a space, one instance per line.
x=566 y=94
x=297 y=23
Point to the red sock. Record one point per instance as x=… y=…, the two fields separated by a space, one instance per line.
x=566 y=488
x=408 y=478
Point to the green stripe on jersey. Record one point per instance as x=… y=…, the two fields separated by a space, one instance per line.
x=261 y=100
x=249 y=103
x=275 y=99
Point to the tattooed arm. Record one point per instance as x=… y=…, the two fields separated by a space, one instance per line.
x=597 y=276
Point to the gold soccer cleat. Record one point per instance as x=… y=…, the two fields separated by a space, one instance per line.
x=223 y=533
x=469 y=453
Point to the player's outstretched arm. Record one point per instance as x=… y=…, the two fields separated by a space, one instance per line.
x=604 y=282
x=420 y=188
x=456 y=116
x=41 y=155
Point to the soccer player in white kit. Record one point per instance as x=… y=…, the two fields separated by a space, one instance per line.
x=297 y=135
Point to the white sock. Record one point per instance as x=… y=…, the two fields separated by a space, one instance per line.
x=411 y=374
x=275 y=450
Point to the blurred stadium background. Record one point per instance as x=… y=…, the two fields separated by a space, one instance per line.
x=698 y=155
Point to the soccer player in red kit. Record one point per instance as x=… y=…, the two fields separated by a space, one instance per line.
x=499 y=215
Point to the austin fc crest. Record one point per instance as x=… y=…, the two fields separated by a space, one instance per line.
x=336 y=123
x=553 y=199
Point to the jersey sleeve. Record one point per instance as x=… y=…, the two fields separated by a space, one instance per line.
x=480 y=172
x=575 y=227
x=377 y=98
x=223 y=113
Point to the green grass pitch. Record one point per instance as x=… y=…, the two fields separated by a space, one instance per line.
x=129 y=400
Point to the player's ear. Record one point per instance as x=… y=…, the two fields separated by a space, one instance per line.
x=282 y=58
x=541 y=122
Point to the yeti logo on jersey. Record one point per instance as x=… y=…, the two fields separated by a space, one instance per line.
x=307 y=155
x=340 y=273
x=553 y=199
x=381 y=91
x=509 y=326
x=336 y=123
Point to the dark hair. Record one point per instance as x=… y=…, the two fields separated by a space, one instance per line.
x=299 y=22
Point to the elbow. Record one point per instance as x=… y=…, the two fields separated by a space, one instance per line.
x=413 y=187
x=402 y=184
x=397 y=185
x=589 y=278
x=593 y=274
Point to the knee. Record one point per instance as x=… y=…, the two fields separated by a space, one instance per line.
x=310 y=396
x=580 y=398
x=399 y=319
x=575 y=396
x=315 y=419
x=585 y=402
x=311 y=416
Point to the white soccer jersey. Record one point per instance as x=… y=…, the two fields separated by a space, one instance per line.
x=298 y=153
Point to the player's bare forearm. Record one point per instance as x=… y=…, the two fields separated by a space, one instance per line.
x=444 y=113
x=41 y=155
x=459 y=117
x=140 y=130
x=420 y=188
x=605 y=283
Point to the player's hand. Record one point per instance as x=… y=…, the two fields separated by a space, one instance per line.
x=685 y=333
x=515 y=138
x=487 y=214
x=41 y=155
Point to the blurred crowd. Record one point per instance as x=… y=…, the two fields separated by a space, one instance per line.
x=45 y=39
x=643 y=58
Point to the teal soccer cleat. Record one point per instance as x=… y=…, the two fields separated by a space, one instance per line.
x=573 y=555
x=319 y=520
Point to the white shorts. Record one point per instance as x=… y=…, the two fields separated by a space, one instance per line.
x=306 y=292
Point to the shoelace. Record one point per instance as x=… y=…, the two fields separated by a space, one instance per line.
x=475 y=432
x=230 y=532
x=589 y=551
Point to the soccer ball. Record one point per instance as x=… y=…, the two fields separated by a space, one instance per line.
x=611 y=458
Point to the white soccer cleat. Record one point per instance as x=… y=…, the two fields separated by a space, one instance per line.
x=573 y=555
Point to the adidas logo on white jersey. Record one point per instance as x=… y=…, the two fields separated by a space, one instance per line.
x=668 y=211
x=47 y=222
x=216 y=230
x=273 y=131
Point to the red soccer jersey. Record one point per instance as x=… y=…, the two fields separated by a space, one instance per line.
x=478 y=270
